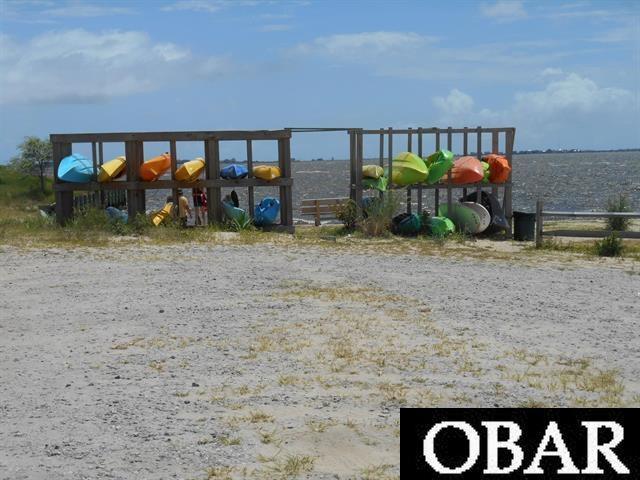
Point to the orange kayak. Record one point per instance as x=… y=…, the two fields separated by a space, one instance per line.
x=499 y=168
x=153 y=169
x=467 y=170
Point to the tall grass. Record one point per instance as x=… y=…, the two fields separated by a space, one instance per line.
x=378 y=215
x=619 y=203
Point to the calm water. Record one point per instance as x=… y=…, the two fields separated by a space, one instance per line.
x=570 y=181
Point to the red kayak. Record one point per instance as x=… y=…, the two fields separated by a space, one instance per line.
x=499 y=168
x=467 y=170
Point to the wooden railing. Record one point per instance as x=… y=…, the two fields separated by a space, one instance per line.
x=541 y=213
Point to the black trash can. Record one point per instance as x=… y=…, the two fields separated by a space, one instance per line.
x=524 y=226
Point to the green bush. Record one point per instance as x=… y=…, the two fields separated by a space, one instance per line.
x=618 y=204
x=347 y=213
x=241 y=224
x=378 y=215
x=610 y=246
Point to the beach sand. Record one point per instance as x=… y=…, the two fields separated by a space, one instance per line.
x=288 y=361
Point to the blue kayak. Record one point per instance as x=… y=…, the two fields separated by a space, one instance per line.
x=116 y=214
x=234 y=171
x=75 y=168
x=233 y=212
x=266 y=211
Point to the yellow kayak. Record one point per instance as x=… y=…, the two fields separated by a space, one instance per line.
x=161 y=215
x=112 y=169
x=267 y=172
x=190 y=171
x=372 y=171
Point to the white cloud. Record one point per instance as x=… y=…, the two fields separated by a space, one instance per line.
x=75 y=66
x=79 y=9
x=366 y=44
x=208 y=6
x=275 y=27
x=563 y=113
x=551 y=71
x=504 y=10
x=455 y=103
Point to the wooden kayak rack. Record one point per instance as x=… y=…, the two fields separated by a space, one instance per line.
x=135 y=188
x=427 y=141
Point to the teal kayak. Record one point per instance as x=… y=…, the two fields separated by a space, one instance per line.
x=407 y=224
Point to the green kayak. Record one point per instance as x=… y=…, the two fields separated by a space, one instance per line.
x=485 y=168
x=440 y=226
x=407 y=224
x=375 y=184
x=408 y=169
x=438 y=164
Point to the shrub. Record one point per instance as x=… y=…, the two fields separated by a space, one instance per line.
x=618 y=204
x=242 y=223
x=347 y=213
x=610 y=246
x=378 y=214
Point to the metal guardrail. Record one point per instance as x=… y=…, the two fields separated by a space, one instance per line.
x=541 y=213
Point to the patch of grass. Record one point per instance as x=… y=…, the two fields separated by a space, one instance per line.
x=227 y=440
x=218 y=473
x=377 y=472
x=291 y=466
x=258 y=416
x=610 y=246
x=20 y=188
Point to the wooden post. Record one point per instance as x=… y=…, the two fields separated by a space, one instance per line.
x=380 y=194
x=409 y=187
x=173 y=152
x=64 y=200
x=135 y=156
x=508 y=188
x=436 y=193
x=212 y=170
x=250 y=169
x=101 y=162
x=539 y=221
x=358 y=171
x=286 y=197
x=317 y=204
x=420 y=185
x=352 y=165
x=94 y=159
x=390 y=150
x=495 y=148
x=465 y=152
x=449 y=192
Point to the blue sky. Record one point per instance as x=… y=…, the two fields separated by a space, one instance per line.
x=565 y=74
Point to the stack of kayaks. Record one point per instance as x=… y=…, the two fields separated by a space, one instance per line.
x=153 y=169
x=267 y=172
x=467 y=170
x=162 y=215
x=373 y=178
x=266 y=211
x=408 y=169
x=491 y=203
x=190 y=171
x=234 y=172
x=112 y=169
x=75 y=168
x=438 y=164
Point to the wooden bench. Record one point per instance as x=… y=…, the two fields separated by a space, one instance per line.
x=321 y=208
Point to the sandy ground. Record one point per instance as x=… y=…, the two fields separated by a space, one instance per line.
x=266 y=361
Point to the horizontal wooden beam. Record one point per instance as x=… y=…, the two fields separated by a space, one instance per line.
x=170 y=184
x=170 y=136
x=432 y=130
x=444 y=186
x=589 y=233
x=593 y=214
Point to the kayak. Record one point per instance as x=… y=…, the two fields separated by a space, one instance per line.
x=406 y=224
x=408 y=169
x=75 y=168
x=375 y=183
x=161 y=215
x=463 y=217
x=438 y=164
x=190 y=171
x=440 y=226
x=498 y=166
x=231 y=211
x=372 y=171
x=467 y=170
x=233 y=172
x=267 y=172
x=266 y=211
x=156 y=167
x=492 y=204
x=485 y=168
x=116 y=214
x=112 y=169
x=482 y=212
